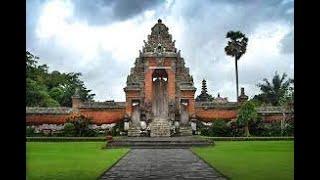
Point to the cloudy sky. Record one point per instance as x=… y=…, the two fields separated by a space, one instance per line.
x=102 y=38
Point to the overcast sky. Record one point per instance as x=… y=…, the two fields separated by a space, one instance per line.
x=102 y=38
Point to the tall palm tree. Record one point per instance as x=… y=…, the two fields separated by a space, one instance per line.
x=236 y=47
x=276 y=91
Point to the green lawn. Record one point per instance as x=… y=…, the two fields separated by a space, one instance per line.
x=246 y=160
x=69 y=160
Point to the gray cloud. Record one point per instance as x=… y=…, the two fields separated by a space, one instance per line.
x=204 y=39
x=100 y=12
x=287 y=45
x=203 y=25
x=32 y=14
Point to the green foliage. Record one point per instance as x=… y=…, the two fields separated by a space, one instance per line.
x=30 y=131
x=69 y=130
x=235 y=130
x=204 y=130
x=279 y=92
x=247 y=113
x=220 y=128
x=272 y=129
x=51 y=89
x=37 y=95
x=115 y=130
x=81 y=126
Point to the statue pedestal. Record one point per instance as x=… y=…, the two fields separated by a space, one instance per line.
x=134 y=132
x=160 y=127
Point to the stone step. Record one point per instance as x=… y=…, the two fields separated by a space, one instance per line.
x=158 y=144
x=134 y=132
x=185 y=131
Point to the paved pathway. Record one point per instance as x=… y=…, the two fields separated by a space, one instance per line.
x=161 y=164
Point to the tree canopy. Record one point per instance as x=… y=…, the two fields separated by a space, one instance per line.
x=47 y=89
x=237 y=45
x=276 y=92
x=247 y=114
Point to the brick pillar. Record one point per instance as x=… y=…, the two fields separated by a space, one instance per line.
x=128 y=106
x=171 y=85
x=76 y=102
x=191 y=107
x=148 y=85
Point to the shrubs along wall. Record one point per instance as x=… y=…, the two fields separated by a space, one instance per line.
x=224 y=128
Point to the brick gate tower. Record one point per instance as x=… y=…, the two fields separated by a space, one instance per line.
x=159 y=90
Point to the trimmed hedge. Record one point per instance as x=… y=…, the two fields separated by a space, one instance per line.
x=249 y=138
x=64 y=139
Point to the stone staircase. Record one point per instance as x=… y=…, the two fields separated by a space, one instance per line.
x=159 y=127
x=159 y=142
x=185 y=131
x=134 y=132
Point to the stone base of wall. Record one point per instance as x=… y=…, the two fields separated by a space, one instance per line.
x=49 y=128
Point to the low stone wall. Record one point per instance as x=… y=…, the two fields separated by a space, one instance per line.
x=58 y=116
x=208 y=111
x=64 y=139
x=282 y=138
x=104 y=117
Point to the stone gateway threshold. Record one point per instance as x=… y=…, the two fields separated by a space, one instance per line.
x=163 y=164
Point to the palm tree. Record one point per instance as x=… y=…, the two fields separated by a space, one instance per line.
x=236 y=47
x=274 y=93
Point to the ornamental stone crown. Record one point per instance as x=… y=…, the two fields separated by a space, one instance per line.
x=159 y=40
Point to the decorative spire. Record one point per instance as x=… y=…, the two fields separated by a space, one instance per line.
x=204 y=96
x=242 y=92
x=204 y=86
x=243 y=97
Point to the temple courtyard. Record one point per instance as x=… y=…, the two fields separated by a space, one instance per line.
x=224 y=160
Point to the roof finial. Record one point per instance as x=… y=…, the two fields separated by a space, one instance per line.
x=218 y=95
x=159 y=20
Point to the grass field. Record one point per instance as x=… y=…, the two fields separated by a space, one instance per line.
x=69 y=160
x=251 y=160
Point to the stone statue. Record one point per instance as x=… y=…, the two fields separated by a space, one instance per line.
x=132 y=80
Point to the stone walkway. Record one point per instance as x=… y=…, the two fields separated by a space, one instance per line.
x=163 y=164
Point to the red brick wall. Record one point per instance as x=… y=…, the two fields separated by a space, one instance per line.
x=272 y=118
x=38 y=119
x=211 y=114
x=104 y=116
